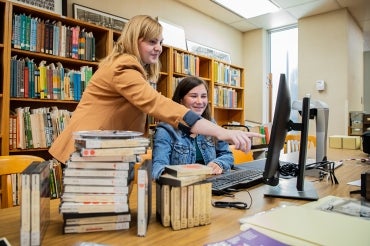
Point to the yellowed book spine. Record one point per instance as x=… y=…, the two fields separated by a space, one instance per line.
x=202 y=206
x=175 y=208
x=208 y=202
x=165 y=205
x=196 y=204
x=190 y=206
x=184 y=207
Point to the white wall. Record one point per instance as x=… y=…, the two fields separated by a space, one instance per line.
x=367 y=81
x=328 y=49
x=255 y=60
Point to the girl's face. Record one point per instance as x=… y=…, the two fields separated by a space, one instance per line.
x=150 y=50
x=196 y=99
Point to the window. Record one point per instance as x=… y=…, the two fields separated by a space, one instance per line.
x=283 y=59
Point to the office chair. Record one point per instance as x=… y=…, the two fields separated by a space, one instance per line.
x=292 y=142
x=13 y=164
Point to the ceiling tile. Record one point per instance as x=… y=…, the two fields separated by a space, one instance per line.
x=273 y=20
x=313 y=8
x=291 y=3
x=243 y=26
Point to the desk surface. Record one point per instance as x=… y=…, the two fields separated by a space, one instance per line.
x=224 y=222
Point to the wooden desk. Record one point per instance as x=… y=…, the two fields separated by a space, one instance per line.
x=224 y=220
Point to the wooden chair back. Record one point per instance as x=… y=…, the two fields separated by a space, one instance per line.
x=292 y=142
x=13 y=164
x=241 y=156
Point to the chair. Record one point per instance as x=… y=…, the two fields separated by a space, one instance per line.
x=241 y=156
x=13 y=164
x=292 y=142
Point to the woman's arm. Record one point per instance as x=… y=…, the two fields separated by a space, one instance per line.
x=240 y=139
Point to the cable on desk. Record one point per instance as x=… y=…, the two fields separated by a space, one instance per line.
x=289 y=169
x=238 y=204
x=325 y=166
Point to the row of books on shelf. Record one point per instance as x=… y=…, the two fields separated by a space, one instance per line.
x=97 y=181
x=47 y=81
x=52 y=37
x=184 y=196
x=186 y=63
x=225 y=97
x=36 y=128
x=224 y=74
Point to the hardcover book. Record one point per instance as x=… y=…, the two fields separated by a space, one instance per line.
x=113 y=151
x=165 y=205
x=93 y=207
x=144 y=198
x=95 y=218
x=180 y=181
x=93 y=197
x=110 y=143
x=184 y=207
x=175 y=208
x=76 y=172
x=106 y=134
x=99 y=165
x=97 y=188
x=25 y=232
x=190 y=200
x=40 y=201
x=76 y=156
x=104 y=181
x=96 y=227
x=188 y=170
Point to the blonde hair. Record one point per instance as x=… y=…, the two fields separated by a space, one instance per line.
x=139 y=27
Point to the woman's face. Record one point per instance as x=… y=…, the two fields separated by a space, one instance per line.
x=196 y=99
x=150 y=50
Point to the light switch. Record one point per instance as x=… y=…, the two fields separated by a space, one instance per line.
x=320 y=85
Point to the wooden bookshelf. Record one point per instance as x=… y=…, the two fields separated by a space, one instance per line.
x=172 y=69
x=103 y=44
x=4 y=68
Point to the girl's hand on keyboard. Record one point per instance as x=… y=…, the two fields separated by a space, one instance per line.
x=216 y=169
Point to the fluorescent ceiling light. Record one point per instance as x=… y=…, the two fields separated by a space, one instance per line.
x=248 y=8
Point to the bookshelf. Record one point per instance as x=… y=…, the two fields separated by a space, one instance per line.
x=13 y=97
x=225 y=82
x=175 y=64
x=4 y=67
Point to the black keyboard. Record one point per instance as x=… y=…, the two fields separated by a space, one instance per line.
x=235 y=179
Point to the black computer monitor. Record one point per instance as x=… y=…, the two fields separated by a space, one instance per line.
x=295 y=188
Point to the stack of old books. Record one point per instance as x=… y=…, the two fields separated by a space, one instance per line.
x=97 y=180
x=184 y=196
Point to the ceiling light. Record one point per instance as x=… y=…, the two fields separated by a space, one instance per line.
x=248 y=8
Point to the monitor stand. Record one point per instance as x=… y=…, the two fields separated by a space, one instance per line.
x=287 y=189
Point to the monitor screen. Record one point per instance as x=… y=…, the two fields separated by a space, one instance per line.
x=295 y=188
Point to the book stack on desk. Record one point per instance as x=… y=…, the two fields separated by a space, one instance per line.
x=183 y=196
x=97 y=181
x=35 y=205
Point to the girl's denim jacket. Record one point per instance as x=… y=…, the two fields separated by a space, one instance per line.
x=173 y=147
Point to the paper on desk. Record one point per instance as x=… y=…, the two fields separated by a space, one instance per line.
x=355 y=183
x=313 y=226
